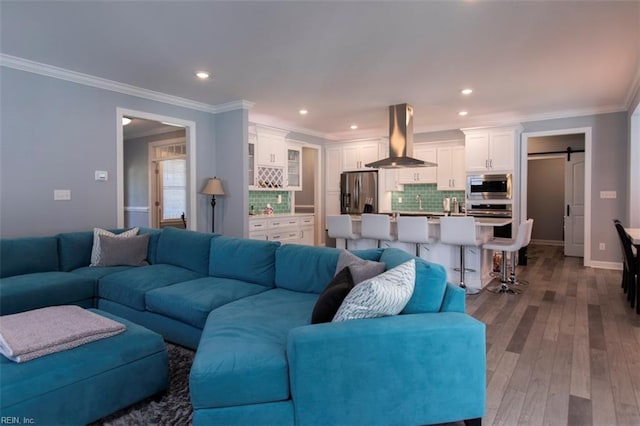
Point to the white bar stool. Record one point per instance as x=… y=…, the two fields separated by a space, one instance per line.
x=340 y=226
x=513 y=280
x=508 y=245
x=460 y=231
x=377 y=227
x=414 y=230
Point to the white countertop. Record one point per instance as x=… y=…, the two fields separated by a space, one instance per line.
x=279 y=215
x=480 y=221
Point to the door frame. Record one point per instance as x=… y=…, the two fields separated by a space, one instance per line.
x=586 y=131
x=318 y=196
x=190 y=139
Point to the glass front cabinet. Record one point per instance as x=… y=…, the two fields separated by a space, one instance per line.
x=294 y=167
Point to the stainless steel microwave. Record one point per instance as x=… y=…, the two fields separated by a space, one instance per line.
x=489 y=187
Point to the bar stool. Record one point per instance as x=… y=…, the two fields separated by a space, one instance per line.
x=513 y=280
x=414 y=230
x=508 y=245
x=460 y=231
x=340 y=226
x=377 y=227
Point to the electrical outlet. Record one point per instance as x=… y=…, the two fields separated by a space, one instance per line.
x=399 y=200
x=608 y=194
x=101 y=175
x=61 y=194
x=602 y=246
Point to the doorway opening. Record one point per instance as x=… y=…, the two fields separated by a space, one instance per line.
x=137 y=189
x=555 y=188
x=308 y=199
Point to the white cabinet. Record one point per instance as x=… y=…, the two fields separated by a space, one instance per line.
x=267 y=158
x=390 y=180
x=294 y=168
x=258 y=229
x=491 y=150
x=271 y=147
x=307 y=231
x=333 y=168
x=285 y=229
x=451 y=168
x=356 y=155
x=420 y=174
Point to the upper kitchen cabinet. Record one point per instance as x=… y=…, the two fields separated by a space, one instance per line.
x=294 y=167
x=333 y=167
x=356 y=155
x=451 y=168
x=491 y=150
x=271 y=147
x=415 y=175
x=267 y=158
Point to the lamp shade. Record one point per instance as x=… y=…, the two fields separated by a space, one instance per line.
x=213 y=187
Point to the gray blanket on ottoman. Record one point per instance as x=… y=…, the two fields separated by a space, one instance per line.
x=32 y=334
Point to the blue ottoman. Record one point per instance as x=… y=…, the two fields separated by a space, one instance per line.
x=83 y=384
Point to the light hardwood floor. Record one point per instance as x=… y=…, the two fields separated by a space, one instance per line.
x=564 y=352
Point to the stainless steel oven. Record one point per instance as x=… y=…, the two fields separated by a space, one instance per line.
x=493 y=210
x=489 y=187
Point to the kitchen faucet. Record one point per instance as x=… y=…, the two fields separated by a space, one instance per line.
x=419 y=200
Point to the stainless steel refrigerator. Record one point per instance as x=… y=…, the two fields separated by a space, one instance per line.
x=359 y=192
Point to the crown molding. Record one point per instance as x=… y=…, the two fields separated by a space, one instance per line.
x=277 y=123
x=493 y=120
x=27 y=65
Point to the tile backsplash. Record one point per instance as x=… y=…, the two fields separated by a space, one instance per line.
x=259 y=200
x=431 y=198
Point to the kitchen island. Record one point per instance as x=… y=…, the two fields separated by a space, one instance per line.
x=481 y=261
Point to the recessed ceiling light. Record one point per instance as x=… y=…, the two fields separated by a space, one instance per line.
x=466 y=91
x=353 y=126
x=463 y=113
x=125 y=121
x=303 y=112
x=202 y=75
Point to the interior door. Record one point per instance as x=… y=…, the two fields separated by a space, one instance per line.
x=574 y=206
x=169 y=193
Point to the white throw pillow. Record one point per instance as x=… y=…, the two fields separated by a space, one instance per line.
x=386 y=294
x=97 y=250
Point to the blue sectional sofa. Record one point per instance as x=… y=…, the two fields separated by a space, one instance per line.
x=245 y=306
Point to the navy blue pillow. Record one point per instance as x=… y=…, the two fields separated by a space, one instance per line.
x=331 y=298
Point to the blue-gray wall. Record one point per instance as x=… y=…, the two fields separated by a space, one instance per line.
x=232 y=165
x=56 y=133
x=609 y=142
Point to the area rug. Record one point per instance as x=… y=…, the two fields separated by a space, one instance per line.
x=173 y=408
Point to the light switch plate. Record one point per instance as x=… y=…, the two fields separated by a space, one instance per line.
x=61 y=194
x=608 y=194
x=102 y=175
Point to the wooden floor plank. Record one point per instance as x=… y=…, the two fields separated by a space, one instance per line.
x=580 y=411
x=564 y=352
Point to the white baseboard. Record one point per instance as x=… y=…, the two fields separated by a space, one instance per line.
x=605 y=265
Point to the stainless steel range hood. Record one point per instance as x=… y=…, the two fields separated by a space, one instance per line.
x=400 y=141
